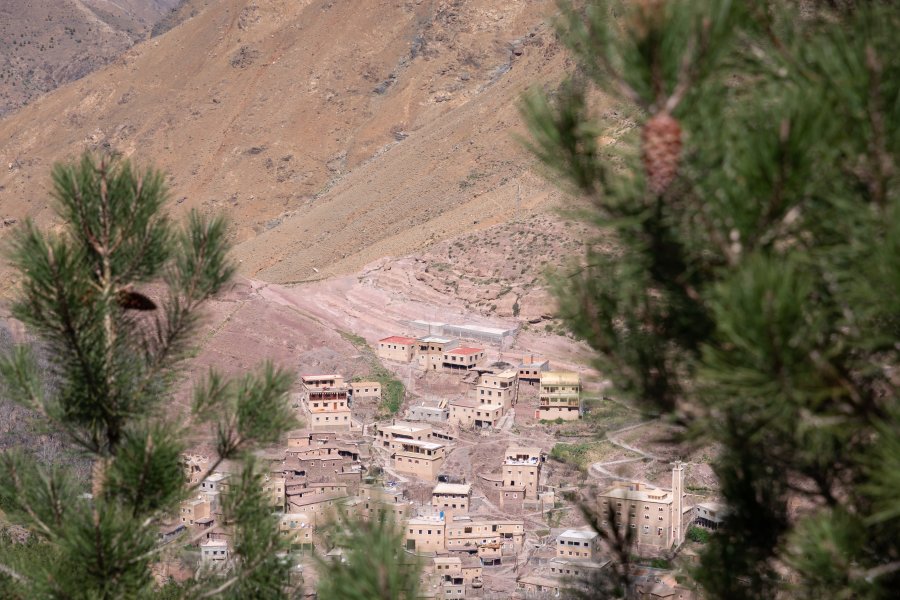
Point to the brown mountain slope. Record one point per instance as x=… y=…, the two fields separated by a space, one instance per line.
x=45 y=43
x=341 y=131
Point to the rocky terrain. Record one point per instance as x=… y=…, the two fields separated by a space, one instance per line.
x=333 y=133
x=46 y=43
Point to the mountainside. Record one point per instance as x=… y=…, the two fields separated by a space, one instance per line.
x=332 y=132
x=45 y=43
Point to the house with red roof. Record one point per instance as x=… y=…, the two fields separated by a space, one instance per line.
x=462 y=359
x=397 y=347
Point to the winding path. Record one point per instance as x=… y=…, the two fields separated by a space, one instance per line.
x=599 y=470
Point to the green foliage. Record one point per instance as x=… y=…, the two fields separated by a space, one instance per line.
x=572 y=454
x=393 y=392
x=373 y=566
x=115 y=356
x=698 y=534
x=752 y=295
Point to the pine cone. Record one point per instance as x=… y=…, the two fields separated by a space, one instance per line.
x=661 y=151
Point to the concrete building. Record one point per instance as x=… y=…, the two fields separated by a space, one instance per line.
x=325 y=402
x=468 y=412
x=376 y=498
x=214 y=552
x=522 y=470
x=319 y=507
x=397 y=348
x=273 y=487
x=194 y=511
x=212 y=487
x=430 y=351
x=709 y=515
x=451 y=498
x=658 y=517
x=530 y=369
x=429 y=414
x=539 y=586
x=462 y=412
x=393 y=435
x=461 y=359
x=298 y=528
x=560 y=396
x=425 y=534
x=466 y=533
x=497 y=388
x=422 y=459
x=365 y=390
x=578 y=544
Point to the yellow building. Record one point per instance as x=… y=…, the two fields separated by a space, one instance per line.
x=425 y=534
x=360 y=390
x=497 y=388
x=325 y=402
x=657 y=517
x=577 y=544
x=430 y=351
x=273 y=487
x=397 y=348
x=560 y=396
x=461 y=359
x=522 y=469
x=422 y=459
x=298 y=528
x=451 y=498
x=393 y=435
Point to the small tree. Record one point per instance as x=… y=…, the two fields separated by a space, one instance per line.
x=116 y=354
x=752 y=296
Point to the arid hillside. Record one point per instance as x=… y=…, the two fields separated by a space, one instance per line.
x=45 y=43
x=333 y=133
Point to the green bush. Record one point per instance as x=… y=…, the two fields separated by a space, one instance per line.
x=698 y=534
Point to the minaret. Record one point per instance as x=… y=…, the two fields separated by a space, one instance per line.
x=677 y=502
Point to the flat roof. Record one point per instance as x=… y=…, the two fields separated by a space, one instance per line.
x=435 y=338
x=505 y=374
x=426 y=445
x=466 y=351
x=578 y=534
x=542 y=581
x=536 y=363
x=452 y=488
x=467 y=402
x=560 y=378
x=398 y=339
x=216 y=543
x=300 y=516
x=426 y=521
x=644 y=494
x=364 y=383
x=482 y=328
x=530 y=450
x=404 y=427
x=428 y=408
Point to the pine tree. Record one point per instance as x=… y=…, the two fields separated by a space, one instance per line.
x=373 y=565
x=753 y=294
x=115 y=352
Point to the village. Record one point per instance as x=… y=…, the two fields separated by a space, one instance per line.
x=462 y=468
